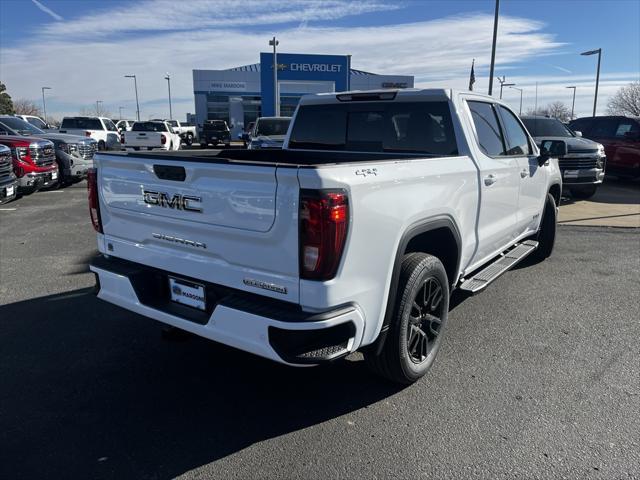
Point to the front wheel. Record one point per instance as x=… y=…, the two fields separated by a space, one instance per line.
x=101 y=145
x=418 y=321
x=547 y=234
x=188 y=140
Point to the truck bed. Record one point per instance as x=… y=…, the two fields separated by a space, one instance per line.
x=293 y=158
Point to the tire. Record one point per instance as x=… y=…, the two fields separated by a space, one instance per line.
x=585 y=192
x=189 y=140
x=415 y=334
x=203 y=145
x=101 y=145
x=546 y=236
x=227 y=145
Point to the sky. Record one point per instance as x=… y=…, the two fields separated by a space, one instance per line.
x=83 y=49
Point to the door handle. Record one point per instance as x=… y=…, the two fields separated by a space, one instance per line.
x=490 y=180
x=523 y=173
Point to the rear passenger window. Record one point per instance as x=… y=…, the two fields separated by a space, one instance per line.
x=517 y=139
x=487 y=128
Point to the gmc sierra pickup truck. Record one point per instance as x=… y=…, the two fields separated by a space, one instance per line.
x=352 y=237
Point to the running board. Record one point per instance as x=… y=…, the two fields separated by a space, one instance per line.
x=491 y=272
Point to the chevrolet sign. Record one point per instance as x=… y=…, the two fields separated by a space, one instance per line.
x=315 y=67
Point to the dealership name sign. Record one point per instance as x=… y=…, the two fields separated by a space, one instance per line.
x=315 y=67
x=229 y=86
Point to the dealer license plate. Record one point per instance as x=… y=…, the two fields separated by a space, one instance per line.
x=571 y=174
x=54 y=175
x=10 y=191
x=187 y=293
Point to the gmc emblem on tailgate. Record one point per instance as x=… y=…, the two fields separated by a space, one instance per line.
x=177 y=201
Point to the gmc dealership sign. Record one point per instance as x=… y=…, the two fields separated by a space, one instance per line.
x=315 y=67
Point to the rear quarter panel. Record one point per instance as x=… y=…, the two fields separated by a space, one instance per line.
x=383 y=205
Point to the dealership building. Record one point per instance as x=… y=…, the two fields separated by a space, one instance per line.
x=240 y=95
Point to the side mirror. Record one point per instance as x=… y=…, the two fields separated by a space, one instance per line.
x=551 y=149
x=578 y=133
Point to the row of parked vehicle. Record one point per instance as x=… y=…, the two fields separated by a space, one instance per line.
x=32 y=158
x=594 y=144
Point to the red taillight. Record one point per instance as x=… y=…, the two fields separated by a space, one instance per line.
x=94 y=204
x=163 y=139
x=87 y=133
x=324 y=220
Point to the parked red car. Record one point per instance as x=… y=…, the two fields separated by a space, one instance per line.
x=620 y=137
x=34 y=162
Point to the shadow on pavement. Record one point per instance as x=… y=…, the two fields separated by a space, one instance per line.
x=91 y=391
x=612 y=191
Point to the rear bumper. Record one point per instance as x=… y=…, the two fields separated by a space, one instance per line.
x=272 y=329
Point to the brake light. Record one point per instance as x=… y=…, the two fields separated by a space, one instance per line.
x=94 y=204
x=324 y=221
x=87 y=133
x=163 y=139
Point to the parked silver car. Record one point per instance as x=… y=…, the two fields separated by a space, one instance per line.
x=74 y=154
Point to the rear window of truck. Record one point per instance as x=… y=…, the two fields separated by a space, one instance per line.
x=420 y=127
x=149 y=127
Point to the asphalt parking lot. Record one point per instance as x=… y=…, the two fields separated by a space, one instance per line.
x=538 y=377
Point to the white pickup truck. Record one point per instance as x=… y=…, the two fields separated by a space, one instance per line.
x=188 y=133
x=101 y=129
x=352 y=237
x=151 y=135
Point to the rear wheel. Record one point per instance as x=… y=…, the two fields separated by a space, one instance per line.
x=547 y=234
x=188 y=140
x=101 y=145
x=585 y=192
x=419 y=317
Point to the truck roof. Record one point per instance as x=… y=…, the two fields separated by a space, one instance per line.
x=395 y=94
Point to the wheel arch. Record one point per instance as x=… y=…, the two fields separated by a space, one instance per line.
x=437 y=236
x=556 y=191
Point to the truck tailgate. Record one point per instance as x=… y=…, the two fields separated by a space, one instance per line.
x=143 y=139
x=234 y=224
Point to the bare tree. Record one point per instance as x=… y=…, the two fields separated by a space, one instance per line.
x=22 y=106
x=539 y=112
x=554 y=110
x=95 y=111
x=560 y=111
x=626 y=101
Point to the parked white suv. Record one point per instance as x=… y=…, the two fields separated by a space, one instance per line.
x=101 y=129
x=151 y=135
x=352 y=237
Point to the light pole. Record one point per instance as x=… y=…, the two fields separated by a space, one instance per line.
x=493 y=47
x=276 y=94
x=520 y=90
x=98 y=102
x=135 y=85
x=573 y=103
x=44 y=104
x=168 y=79
x=503 y=84
x=593 y=52
x=120 y=110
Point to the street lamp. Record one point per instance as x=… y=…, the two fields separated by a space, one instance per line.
x=573 y=104
x=493 y=46
x=593 y=52
x=276 y=94
x=135 y=84
x=44 y=104
x=520 y=90
x=503 y=84
x=168 y=79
